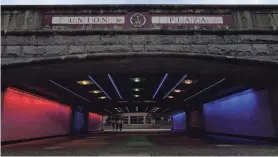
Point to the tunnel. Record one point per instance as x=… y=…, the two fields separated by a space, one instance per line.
x=167 y=104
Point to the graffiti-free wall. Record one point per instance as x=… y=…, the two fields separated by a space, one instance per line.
x=95 y=122
x=245 y=113
x=179 y=121
x=26 y=116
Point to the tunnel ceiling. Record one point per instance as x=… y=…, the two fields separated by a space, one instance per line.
x=136 y=92
x=64 y=88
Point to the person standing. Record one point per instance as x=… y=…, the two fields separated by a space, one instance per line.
x=120 y=125
x=113 y=125
x=117 y=125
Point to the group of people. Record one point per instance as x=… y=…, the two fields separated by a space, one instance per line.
x=117 y=125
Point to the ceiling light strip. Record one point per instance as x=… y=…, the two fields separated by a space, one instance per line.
x=69 y=90
x=175 y=86
x=99 y=87
x=120 y=109
x=146 y=109
x=112 y=81
x=162 y=81
x=127 y=109
x=205 y=89
x=166 y=110
x=107 y=111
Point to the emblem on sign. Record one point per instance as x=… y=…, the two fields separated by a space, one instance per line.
x=138 y=20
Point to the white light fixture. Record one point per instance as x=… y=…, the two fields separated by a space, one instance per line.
x=187 y=81
x=205 y=89
x=175 y=86
x=99 y=87
x=85 y=82
x=69 y=90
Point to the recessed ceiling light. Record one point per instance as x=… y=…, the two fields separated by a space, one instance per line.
x=136 y=96
x=85 y=82
x=188 y=81
x=116 y=108
x=136 y=79
x=170 y=97
x=95 y=91
x=178 y=90
x=122 y=101
x=136 y=89
x=102 y=97
x=149 y=101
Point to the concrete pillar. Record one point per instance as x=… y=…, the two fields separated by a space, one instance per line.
x=273 y=107
x=144 y=120
x=194 y=123
x=128 y=119
x=84 y=128
x=172 y=127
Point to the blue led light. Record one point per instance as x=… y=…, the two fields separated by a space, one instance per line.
x=175 y=86
x=162 y=81
x=179 y=121
x=99 y=87
x=112 y=81
x=69 y=90
x=243 y=113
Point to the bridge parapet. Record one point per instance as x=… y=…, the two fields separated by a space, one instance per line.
x=35 y=33
x=138 y=17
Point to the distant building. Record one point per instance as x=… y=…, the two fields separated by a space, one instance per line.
x=138 y=120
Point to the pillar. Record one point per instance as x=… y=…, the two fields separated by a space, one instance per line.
x=144 y=120
x=194 y=123
x=273 y=107
x=128 y=119
x=172 y=127
x=84 y=128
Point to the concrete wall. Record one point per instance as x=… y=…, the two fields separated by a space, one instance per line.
x=246 y=113
x=26 y=116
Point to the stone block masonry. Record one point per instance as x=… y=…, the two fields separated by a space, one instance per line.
x=255 y=47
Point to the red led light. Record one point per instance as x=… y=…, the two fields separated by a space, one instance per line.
x=25 y=115
x=94 y=122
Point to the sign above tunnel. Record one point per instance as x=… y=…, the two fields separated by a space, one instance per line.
x=137 y=20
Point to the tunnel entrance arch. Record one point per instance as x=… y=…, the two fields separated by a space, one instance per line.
x=261 y=75
x=234 y=45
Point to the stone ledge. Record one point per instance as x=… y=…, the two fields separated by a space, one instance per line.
x=267 y=60
x=208 y=49
x=46 y=32
x=58 y=40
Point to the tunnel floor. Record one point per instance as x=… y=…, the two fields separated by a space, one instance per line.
x=141 y=144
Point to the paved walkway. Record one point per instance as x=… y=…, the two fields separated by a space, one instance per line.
x=139 y=144
x=139 y=130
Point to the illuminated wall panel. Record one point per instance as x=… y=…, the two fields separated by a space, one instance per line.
x=94 y=122
x=27 y=116
x=244 y=113
x=179 y=121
